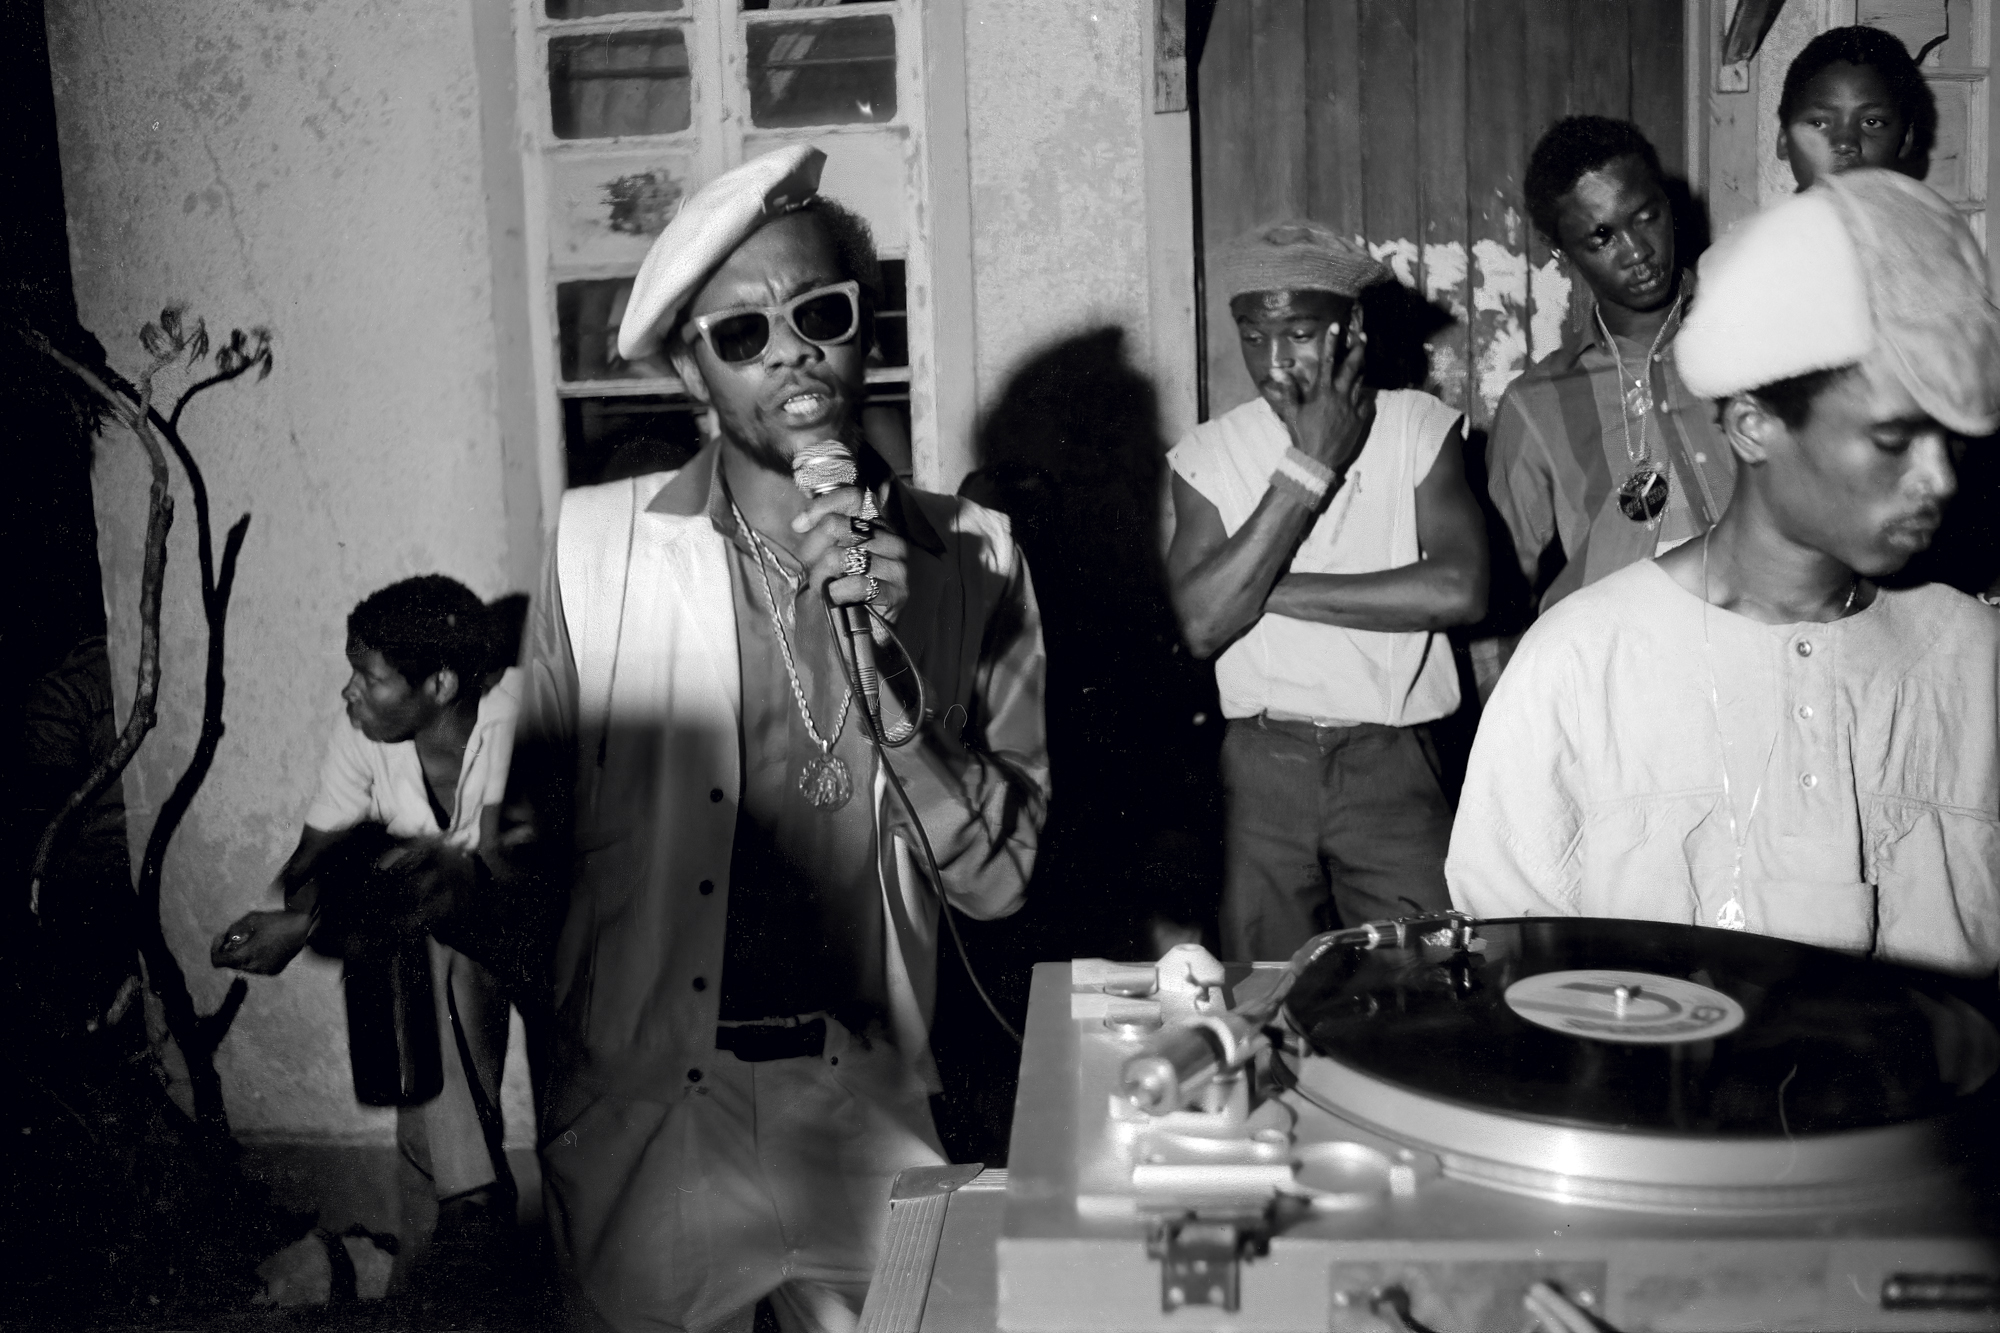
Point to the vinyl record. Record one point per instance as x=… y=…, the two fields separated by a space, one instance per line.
x=1649 y=1028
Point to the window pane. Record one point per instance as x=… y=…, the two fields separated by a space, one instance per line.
x=823 y=72
x=590 y=9
x=798 y=4
x=608 y=439
x=892 y=329
x=613 y=83
x=587 y=315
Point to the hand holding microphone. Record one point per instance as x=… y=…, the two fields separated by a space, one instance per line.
x=858 y=562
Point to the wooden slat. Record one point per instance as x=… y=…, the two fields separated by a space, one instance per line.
x=1657 y=70
x=1441 y=185
x=1229 y=113
x=1389 y=119
x=1278 y=81
x=1602 y=68
x=1335 y=180
x=1498 y=134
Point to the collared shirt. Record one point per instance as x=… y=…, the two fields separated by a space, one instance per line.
x=363 y=780
x=804 y=932
x=1302 y=670
x=633 y=771
x=1564 y=441
x=1862 y=762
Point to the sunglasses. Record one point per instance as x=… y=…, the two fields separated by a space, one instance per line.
x=824 y=317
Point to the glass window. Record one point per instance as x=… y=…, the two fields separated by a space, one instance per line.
x=798 y=4
x=608 y=439
x=892 y=322
x=823 y=71
x=606 y=84
x=590 y=9
x=587 y=315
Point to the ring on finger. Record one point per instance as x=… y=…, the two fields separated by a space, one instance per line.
x=855 y=561
x=874 y=589
x=860 y=527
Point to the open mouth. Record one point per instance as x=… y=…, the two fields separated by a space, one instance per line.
x=805 y=408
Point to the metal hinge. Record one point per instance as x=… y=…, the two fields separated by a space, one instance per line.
x=1201 y=1258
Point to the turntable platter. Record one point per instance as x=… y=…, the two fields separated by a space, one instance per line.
x=1670 y=1065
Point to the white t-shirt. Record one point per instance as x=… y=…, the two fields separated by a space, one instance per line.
x=363 y=780
x=1301 y=669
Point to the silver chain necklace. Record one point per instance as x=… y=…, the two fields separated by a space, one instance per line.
x=1642 y=496
x=823 y=780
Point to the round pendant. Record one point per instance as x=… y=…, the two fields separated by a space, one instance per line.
x=1643 y=497
x=824 y=782
x=1638 y=399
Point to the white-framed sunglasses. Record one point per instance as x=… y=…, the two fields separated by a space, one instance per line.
x=825 y=316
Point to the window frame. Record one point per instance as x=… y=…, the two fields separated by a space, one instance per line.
x=720 y=136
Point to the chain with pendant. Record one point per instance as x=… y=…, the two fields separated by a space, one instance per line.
x=824 y=779
x=1642 y=496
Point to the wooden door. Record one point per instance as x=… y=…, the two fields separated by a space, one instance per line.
x=1408 y=123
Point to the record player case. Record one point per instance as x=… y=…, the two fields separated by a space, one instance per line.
x=1080 y=1248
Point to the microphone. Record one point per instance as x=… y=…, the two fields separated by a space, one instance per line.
x=817 y=469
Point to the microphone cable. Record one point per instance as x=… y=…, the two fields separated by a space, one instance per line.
x=945 y=909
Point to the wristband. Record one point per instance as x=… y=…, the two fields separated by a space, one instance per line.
x=1303 y=477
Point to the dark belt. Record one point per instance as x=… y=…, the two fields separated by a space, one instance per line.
x=770 y=1041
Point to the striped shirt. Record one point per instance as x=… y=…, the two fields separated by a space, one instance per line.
x=1560 y=449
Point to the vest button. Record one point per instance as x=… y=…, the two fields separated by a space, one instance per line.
x=701 y=983
x=715 y=795
x=707 y=887
x=694 y=1076
x=1805 y=647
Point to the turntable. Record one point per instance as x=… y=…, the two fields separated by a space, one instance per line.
x=1682 y=1128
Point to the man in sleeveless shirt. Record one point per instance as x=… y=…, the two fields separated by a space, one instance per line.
x=1600 y=455
x=1751 y=731
x=747 y=955
x=1325 y=538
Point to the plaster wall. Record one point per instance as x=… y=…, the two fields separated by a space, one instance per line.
x=1061 y=140
x=319 y=169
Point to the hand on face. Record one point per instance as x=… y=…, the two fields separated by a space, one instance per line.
x=827 y=528
x=1330 y=416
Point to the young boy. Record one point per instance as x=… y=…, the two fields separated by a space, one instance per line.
x=1855 y=98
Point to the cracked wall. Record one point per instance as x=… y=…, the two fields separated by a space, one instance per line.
x=316 y=168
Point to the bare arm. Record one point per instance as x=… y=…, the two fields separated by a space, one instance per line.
x=265 y=942
x=1220 y=582
x=1444 y=588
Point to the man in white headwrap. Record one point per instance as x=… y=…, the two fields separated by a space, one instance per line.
x=746 y=960
x=1751 y=732
x=1324 y=539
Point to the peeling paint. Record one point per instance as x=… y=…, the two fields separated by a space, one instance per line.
x=1549 y=293
x=1500 y=307
x=1444 y=275
x=1400 y=255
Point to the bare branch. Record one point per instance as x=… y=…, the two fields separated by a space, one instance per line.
x=160 y=517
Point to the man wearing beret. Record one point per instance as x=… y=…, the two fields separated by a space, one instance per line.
x=1750 y=731
x=1324 y=539
x=746 y=958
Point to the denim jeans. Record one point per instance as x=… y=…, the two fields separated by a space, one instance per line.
x=1327 y=827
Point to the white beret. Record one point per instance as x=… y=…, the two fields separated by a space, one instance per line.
x=711 y=223
x=1866 y=266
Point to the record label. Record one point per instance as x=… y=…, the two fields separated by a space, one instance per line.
x=1637 y=1008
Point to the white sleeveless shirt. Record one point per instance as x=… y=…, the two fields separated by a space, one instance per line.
x=1303 y=670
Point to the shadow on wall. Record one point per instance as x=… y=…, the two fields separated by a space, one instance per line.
x=1071 y=453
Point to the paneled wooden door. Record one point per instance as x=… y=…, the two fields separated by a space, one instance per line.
x=1408 y=123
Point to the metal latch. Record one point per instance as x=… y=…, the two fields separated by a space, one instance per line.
x=1201 y=1258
